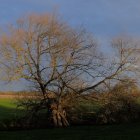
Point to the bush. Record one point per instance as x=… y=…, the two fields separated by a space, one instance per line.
x=83 y=112
x=119 y=108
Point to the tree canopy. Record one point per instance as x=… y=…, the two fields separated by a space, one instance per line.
x=62 y=60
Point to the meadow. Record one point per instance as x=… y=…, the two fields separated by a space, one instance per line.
x=8 y=109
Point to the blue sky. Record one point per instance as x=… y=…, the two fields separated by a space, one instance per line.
x=103 y=18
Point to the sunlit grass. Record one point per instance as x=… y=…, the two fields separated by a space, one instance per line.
x=8 y=109
x=7 y=102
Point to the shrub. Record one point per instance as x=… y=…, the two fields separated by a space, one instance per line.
x=119 y=107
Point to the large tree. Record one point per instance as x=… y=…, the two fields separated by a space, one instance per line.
x=60 y=61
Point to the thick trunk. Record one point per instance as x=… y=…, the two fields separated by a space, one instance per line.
x=59 y=116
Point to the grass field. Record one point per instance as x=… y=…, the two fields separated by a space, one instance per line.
x=8 y=109
x=102 y=132
x=113 y=132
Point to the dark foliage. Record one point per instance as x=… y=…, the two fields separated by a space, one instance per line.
x=120 y=105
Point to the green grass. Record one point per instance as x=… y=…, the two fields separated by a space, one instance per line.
x=102 y=132
x=112 y=132
x=8 y=109
x=7 y=102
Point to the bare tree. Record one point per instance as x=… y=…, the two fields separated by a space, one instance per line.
x=60 y=61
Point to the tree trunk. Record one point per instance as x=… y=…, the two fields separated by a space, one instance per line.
x=59 y=116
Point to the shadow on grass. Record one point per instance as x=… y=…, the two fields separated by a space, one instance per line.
x=9 y=116
x=12 y=118
x=104 y=132
x=8 y=113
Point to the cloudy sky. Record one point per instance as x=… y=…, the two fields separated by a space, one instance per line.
x=104 y=18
